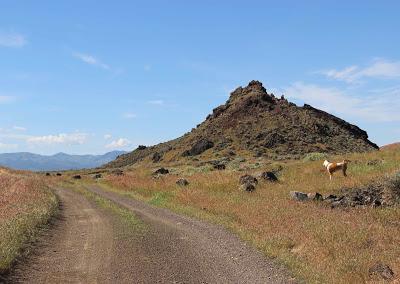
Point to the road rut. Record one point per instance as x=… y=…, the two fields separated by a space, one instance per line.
x=89 y=245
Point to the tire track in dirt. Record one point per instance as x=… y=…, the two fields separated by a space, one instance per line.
x=91 y=245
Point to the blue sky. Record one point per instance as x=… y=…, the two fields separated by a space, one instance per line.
x=93 y=76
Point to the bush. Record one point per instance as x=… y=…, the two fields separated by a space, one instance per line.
x=315 y=157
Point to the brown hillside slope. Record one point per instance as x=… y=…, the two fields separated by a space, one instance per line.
x=255 y=123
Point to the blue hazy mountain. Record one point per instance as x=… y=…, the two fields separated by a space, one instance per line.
x=57 y=162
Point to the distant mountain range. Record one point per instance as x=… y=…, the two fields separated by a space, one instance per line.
x=57 y=162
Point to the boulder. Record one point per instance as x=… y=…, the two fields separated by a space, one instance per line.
x=156 y=157
x=76 y=177
x=199 y=147
x=182 y=182
x=219 y=167
x=315 y=196
x=299 y=196
x=161 y=171
x=48 y=174
x=58 y=174
x=97 y=176
x=248 y=179
x=381 y=270
x=269 y=176
x=247 y=187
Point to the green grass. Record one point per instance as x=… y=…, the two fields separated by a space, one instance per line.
x=124 y=215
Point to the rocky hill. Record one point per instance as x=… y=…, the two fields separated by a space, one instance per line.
x=257 y=124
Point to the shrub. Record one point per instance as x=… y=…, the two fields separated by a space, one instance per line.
x=315 y=157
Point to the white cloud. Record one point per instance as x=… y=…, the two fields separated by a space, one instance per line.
x=377 y=108
x=63 y=138
x=12 y=40
x=156 y=102
x=119 y=143
x=19 y=128
x=90 y=59
x=107 y=136
x=4 y=146
x=129 y=115
x=6 y=99
x=379 y=68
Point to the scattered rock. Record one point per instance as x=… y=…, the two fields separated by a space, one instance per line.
x=247 y=187
x=156 y=157
x=97 y=176
x=382 y=270
x=58 y=174
x=199 y=147
x=117 y=172
x=161 y=171
x=48 y=174
x=220 y=167
x=374 y=162
x=269 y=176
x=248 y=179
x=77 y=177
x=141 y=147
x=299 y=196
x=182 y=182
x=315 y=196
x=247 y=183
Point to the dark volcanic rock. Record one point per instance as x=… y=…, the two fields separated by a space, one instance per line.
x=77 y=177
x=248 y=179
x=58 y=174
x=199 y=147
x=182 y=182
x=219 y=167
x=269 y=176
x=156 y=157
x=382 y=271
x=161 y=171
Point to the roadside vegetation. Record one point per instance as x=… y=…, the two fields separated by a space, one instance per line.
x=319 y=244
x=26 y=206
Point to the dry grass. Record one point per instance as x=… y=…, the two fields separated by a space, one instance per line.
x=319 y=244
x=25 y=205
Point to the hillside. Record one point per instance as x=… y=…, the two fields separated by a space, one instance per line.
x=254 y=123
x=60 y=161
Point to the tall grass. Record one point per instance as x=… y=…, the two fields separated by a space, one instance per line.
x=319 y=244
x=26 y=204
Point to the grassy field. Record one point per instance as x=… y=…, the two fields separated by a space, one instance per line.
x=317 y=243
x=26 y=204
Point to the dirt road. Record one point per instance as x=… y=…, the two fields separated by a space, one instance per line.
x=89 y=245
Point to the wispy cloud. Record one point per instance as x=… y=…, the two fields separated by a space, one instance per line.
x=119 y=144
x=90 y=59
x=19 y=128
x=156 y=102
x=379 y=68
x=129 y=115
x=12 y=40
x=107 y=136
x=377 y=108
x=63 y=138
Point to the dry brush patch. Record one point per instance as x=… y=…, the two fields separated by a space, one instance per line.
x=318 y=243
x=26 y=204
